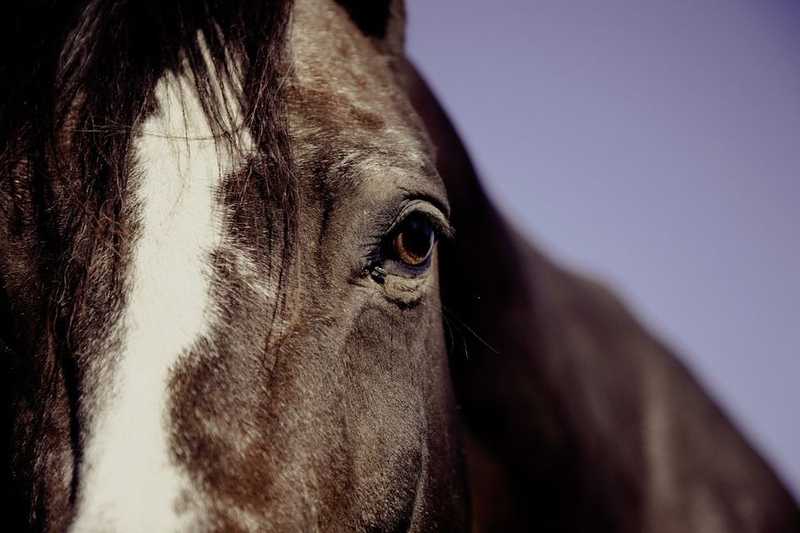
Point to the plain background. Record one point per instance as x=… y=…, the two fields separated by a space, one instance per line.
x=657 y=145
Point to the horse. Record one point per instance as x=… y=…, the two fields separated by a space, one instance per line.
x=250 y=281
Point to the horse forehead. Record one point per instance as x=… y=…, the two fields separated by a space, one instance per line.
x=330 y=56
x=345 y=96
x=324 y=40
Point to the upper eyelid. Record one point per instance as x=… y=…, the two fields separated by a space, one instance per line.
x=424 y=206
x=429 y=196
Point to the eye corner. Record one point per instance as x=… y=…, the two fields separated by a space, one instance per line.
x=445 y=230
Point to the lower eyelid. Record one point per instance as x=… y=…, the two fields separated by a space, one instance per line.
x=405 y=291
x=414 y=271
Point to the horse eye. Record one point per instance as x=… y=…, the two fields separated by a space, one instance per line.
x=414 y=240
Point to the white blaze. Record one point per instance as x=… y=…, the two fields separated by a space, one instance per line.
x=129 y=481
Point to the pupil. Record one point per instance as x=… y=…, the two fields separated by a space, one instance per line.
x=417 y=238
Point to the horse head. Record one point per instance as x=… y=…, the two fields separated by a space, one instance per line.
x=248 y=275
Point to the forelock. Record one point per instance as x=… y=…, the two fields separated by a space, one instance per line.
x=79 y=79
x=90 y=67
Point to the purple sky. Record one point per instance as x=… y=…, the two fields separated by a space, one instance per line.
x=658 y=146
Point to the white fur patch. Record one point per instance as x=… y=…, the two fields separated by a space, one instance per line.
x=129 y=481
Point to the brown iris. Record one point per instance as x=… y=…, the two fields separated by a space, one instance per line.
x=414 y=241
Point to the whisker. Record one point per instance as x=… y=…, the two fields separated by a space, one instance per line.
x=448 y=314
